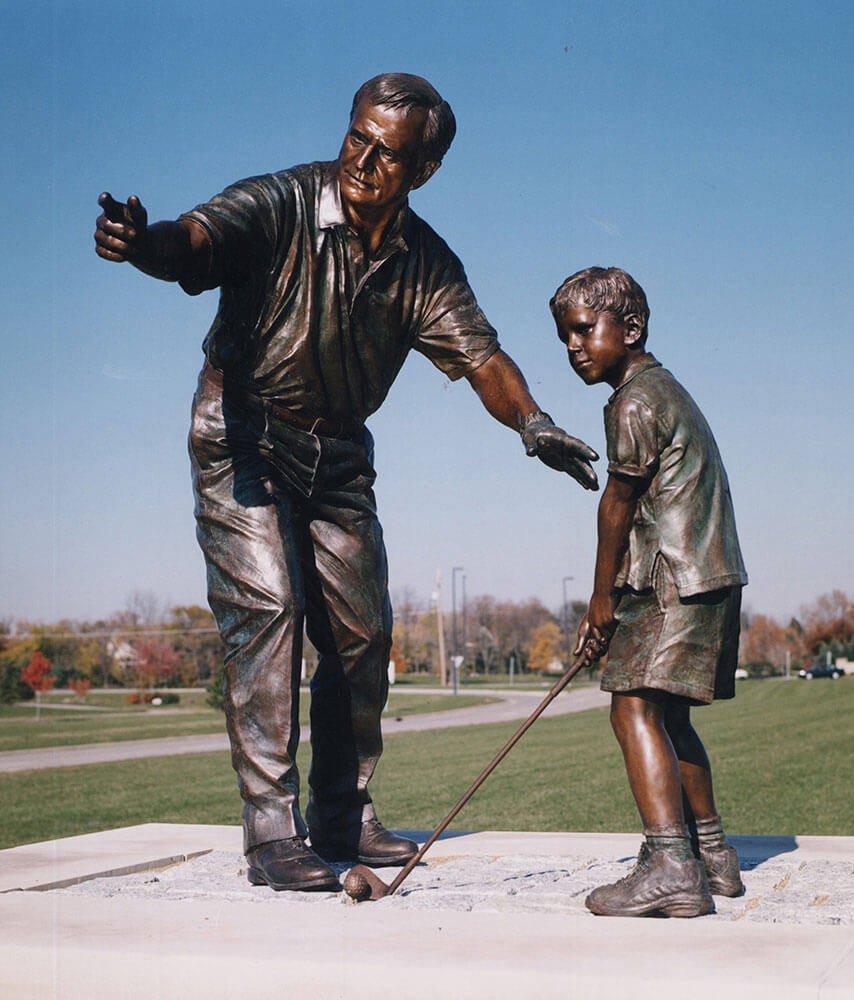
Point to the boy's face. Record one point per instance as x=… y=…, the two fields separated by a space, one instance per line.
x=599 y=344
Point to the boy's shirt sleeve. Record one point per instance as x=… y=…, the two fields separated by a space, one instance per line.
x=632 y=439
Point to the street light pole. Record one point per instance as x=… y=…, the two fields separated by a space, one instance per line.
x=566 y=640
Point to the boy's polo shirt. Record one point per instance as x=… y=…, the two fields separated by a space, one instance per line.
x=656 y=432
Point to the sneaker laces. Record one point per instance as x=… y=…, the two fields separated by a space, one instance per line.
x=640 y=867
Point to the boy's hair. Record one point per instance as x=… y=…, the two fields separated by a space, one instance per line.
x=603 y=289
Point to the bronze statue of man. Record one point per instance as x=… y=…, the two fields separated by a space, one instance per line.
x=327 y=280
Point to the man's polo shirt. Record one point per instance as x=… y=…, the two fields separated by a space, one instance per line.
x=306 y=319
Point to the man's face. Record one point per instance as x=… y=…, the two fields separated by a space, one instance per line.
x=597 y=343
x=380 y=158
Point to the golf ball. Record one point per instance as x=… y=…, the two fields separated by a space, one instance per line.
x=356 y=886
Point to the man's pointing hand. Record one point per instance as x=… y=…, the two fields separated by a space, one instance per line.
x=120 y=229
x=559 y=450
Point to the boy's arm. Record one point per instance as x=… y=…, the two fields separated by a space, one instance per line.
x=616 y=514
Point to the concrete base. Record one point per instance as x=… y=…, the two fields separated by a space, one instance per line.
x=161 y=911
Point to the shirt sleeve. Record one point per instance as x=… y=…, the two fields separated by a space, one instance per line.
x=454 y=333
x=631 y=431
x=242 y=224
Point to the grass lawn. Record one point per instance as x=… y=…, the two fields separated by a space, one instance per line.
x=70 y=725
x=782 y=754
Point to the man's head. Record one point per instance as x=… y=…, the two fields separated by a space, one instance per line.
x=400 y=128
x=408 y=92
x=602 y=316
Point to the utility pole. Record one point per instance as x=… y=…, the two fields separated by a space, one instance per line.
x=443 y=665
x=566 y=638
x=455 y=660
x=463 y=677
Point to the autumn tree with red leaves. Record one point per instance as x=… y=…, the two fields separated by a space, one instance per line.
x=37 y=676
x=155 y=661
x=81 y=686
x=829 y=622
x=766 y=646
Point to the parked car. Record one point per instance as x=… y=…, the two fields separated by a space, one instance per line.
x=828 y=671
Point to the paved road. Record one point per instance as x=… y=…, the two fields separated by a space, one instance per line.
x=512 y=705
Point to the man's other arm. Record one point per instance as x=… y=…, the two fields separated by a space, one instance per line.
x=504 y=392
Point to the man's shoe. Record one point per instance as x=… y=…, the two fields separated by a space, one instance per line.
x=376 y=847
x=658 y=885
x=289 y=864
x=722 y=870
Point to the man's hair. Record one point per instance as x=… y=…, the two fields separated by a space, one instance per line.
x=603 y=289
x=403 y=90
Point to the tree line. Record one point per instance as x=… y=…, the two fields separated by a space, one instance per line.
x=824 y=628
x=146 y=647
x=142 y=648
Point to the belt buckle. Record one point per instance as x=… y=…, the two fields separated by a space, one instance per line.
x=327 y=428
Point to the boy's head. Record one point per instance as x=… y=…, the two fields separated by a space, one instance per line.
x=602 y=316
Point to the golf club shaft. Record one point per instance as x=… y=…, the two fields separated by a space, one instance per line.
x=582 y=661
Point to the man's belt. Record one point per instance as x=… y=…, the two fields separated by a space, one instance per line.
x=322 y=426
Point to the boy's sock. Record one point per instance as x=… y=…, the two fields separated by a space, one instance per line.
x=672 y=839
x=719 y=859
x=710 y=832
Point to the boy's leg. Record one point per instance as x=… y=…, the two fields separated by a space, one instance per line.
x=667 y=879
x=652 y=766
x=694 y=769
x=706 y=828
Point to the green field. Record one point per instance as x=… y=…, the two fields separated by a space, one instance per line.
x=782 y=754
x=69 y=725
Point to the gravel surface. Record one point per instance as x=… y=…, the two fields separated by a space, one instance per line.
x=777 y=890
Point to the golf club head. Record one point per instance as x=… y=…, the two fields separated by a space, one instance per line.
x=361 y=884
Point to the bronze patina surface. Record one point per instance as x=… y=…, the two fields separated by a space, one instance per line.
x=666 y=595
x=327 y=279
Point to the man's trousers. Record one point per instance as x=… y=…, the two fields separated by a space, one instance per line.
x=287 y=523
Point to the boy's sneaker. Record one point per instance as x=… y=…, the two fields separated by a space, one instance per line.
x=659 y=885
x=722 y=870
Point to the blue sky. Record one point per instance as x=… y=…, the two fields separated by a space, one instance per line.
x=706 y=148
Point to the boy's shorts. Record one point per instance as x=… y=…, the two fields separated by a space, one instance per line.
x=686 y=646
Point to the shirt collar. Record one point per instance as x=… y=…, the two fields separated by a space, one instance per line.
x=330 y=211
x=650 y=361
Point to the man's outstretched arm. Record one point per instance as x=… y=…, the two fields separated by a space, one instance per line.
x=503 y=391
x=171 y=251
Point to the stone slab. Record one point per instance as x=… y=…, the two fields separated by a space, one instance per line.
x=489 y=915
x=57 y=863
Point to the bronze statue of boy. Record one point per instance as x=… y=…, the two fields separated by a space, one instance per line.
x=666 y=596
x=327 y=280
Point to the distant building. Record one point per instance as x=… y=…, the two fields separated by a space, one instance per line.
x=122 y=653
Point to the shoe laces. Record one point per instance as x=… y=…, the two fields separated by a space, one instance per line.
x=641 y=865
